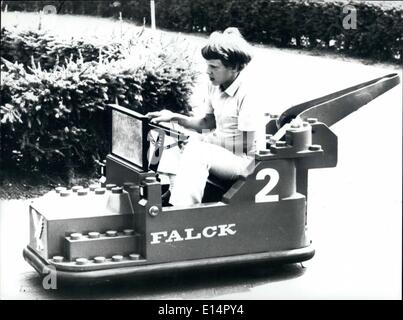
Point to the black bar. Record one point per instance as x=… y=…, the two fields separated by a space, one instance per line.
x=293 y=112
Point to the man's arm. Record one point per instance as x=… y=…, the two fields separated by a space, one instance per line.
x=197 y=123
x=194 y=123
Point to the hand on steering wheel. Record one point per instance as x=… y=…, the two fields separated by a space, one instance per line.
x=161 y=116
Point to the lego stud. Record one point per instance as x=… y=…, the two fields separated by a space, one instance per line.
x=134 y=256
x=305 y=124
x=270 y=140
x=82 y=192
x=81 y=261
x=76 y=236
x=264 y=152
x=150 y=179
x=93 y=235
x=154 y=211
x=111 y=233
x=128 y=232
x=100 y=191
x=274 y=116
x=65 y=193
x=295 y=126
x=93 y=187
x=117 y=190
x=127 y=185
x=315 y=147
x=99 y=259
x=117 y=258
x=281 y=143
x=60 y=189
x=76 y=188
x=312 y=120
x=58 y=259
x=109 y=186
x=135 y=189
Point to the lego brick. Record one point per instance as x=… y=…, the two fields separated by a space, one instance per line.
x=47 y=234
x=262 y=227
x=103 y=246
x=120 y=172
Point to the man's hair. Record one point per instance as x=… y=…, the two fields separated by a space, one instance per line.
x=229 y=47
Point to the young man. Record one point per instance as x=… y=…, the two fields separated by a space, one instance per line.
x=231 y=119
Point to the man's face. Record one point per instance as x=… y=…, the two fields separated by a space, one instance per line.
x=219 y=74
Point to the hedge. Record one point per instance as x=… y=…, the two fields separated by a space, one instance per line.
x=298 y=24
x=51 y=119
x=311 y=25
x=48 y=50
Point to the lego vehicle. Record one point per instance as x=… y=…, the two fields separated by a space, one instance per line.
x=123 y=226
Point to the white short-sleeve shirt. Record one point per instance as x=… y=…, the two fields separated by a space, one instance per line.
x=236 y=110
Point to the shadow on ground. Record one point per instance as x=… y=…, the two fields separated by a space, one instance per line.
x=205 y=284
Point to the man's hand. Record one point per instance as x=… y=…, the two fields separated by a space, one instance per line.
x=193 y=123
x=161 y=116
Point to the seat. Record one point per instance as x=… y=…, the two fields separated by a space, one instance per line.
x=216 y=188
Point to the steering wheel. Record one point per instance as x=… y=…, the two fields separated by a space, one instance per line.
x=158 y=142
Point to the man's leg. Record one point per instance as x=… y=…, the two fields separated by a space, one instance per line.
x=198 y=160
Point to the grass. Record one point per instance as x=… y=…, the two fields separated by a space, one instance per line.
x=18 y=186
x=95 y=30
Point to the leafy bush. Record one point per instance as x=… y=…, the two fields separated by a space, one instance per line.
x=48 y=51
x=299 y=24
x=52 y=119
